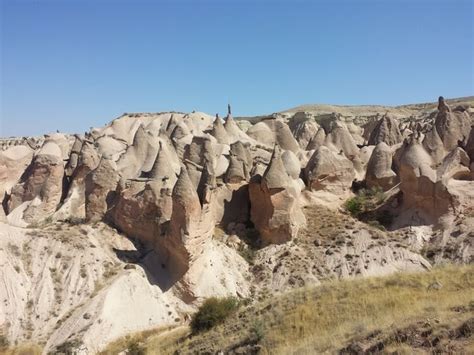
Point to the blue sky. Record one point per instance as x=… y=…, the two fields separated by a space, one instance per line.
x=73 y=64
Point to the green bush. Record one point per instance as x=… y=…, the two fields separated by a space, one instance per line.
x=212 y=312
x=364 y=201
x=354 y=206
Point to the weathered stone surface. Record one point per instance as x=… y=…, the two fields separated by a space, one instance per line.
x=100 y=188
x=275 y=209
x=42 y=185
x=379 y=168
x=330 y=171
x=386 y=130
x=453 y=128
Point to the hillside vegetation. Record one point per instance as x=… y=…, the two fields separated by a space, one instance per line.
x=430 y=311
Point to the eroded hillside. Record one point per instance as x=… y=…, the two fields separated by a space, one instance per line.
x=131 y=226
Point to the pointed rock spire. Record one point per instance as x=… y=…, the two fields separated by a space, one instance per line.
x=219 y=132
x=276 y=175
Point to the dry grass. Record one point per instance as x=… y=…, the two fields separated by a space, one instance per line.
x=122 y=343
x=25 y=349
x=326 y=318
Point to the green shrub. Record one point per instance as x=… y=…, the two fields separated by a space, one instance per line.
x=354 y=206
x=212 y=312
x=365 y=200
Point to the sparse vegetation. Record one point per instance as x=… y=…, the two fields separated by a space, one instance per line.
x=365 y=206
x=365 y=200
x=135 y=348
x=4 y=343
x=330 y=317
x=74 y=221
x=212 y=312
x=67 y=348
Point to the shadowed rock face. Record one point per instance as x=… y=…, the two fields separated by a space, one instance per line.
x=42 y=186
x=100 y=189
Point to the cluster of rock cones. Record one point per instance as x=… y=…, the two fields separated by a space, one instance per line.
x=168 y=179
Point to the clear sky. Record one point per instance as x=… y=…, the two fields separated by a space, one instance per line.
x=70 y=64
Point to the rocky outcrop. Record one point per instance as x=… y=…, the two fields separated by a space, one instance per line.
x=131 y=162
x=275 y=209
x=13 y=163
x=219 y=132
x=303 y=127
x=379 y=168
x=40 y=191
x=470 y=145
x=340 y=140
x=100 y=189
x=453 y=127
x=386 y=130
x=423 y=192
x=73 y=205
x=329 y=171
x=317 y=140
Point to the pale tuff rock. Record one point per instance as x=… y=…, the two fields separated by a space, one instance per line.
x=142 y=212
x=74 y=203
x=419 y=183
x=455 y=166
x=131 y=162
x=317 y=140
x=168 y=179
x=275 y=175
x=434 y=145
x=262 y=133
x=303 y=127
x=379 y=168
x=470 y=145
x=237 y=171
x=165 y=166
x=340 y=139
x=275 y=210
x=453 y=127
x=182 y=239
x=42 y=185
x=13 y=163
x=100 y=186
x=282 y=134
x=233 y=131
x=330 y=171
x=386 y=130
x=291 y=163
x=110 y=147
x=219 y=132
x=74 y=156
x=241 y=151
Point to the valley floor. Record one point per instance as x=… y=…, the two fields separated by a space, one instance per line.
x=403 y=313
